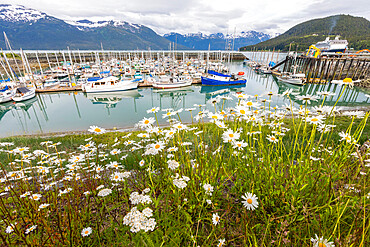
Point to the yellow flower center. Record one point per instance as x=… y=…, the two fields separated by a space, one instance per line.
x=168 y=113
x=86 y=232
x=242 y=111
x=249 y=103
x=347 y=138
x=97 y=130
x=146 y=121
x=35 y=197
x=322 y=245
x=116 y=177
x=249 y=201
x=314 y=120
x=239 y=145
x=179 y=126
x=157 y=146
x=231 y=135
x=215 y=117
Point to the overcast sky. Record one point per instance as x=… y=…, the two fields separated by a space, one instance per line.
x=207 y=16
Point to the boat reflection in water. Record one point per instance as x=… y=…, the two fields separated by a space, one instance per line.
x=23 y=112
x=213 y=91
x=176 y=95
x=4 y=108
x=352 y=97
x=110 y=99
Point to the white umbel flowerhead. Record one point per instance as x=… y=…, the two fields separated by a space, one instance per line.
x=96 y=130
x=321 y=242
x=250 y=202
x=86 y=231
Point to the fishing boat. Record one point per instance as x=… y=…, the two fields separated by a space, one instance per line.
x=24 y=93
x=294 y=79
x=6 y=94
x=167 y=82
x=214 y=78
x=110 y=84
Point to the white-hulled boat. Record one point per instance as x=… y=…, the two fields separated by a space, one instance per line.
x=6 y=94
x=295 y=79
x=166 y=82
x=24 y=93
x=109 y=84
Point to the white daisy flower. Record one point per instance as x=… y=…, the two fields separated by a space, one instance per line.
x=250 y=202
x=86 y=231
x=215 y=219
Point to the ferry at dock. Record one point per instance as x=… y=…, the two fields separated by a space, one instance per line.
x=335 y=45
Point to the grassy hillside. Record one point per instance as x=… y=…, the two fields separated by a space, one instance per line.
x=355 y=29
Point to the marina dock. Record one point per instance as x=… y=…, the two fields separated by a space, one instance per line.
x=59 y=88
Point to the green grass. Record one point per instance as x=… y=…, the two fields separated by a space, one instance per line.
x=298 y=195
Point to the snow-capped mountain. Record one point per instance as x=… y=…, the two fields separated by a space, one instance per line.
x=31 y=29
x=88 y=25
x=217 y=41
x=18 y=13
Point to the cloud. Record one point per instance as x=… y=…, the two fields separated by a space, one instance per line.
x=207 y=16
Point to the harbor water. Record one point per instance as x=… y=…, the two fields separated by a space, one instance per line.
x=76 y=111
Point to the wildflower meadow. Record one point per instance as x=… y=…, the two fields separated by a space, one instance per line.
x=247 y=175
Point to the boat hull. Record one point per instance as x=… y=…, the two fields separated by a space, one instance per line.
x=24 y=97
x=214 y=82
x=6 y=96
x=171 y=85
x=297 y=82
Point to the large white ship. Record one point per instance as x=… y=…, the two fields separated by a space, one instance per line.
x=335 y=45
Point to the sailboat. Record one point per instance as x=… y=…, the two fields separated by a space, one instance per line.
x=6 y=94
x=294 y=78
x=24 y=93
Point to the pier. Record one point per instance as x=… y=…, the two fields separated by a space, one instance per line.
x=326 y=68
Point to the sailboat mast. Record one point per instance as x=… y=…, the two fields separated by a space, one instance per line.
x=38 y=60
x=47 y=58
x=7 y=63
x=4 y=67
x=7 y=43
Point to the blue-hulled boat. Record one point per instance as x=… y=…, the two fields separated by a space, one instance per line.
x=214 y=78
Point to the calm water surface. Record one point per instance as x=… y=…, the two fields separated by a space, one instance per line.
x=77 y=111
